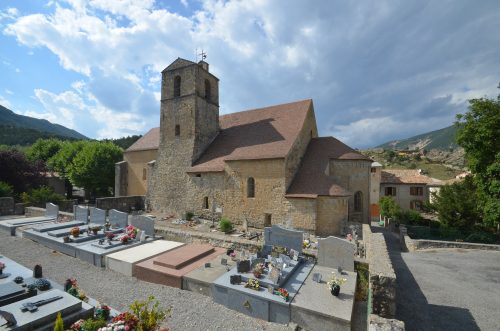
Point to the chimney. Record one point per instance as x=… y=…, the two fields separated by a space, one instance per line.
x=203 y=64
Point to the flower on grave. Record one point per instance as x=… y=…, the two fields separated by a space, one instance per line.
x=232 y=254
x=125 y=239
x=258 y=269
x=75 y=232
x=77 y=326
x=335 y=281
x=282 y=293
x=2 y=265
x=306 y=243
x=102 y=311
x=110 y=236
x=253 y=284
x=95 y=228
x=131 y=231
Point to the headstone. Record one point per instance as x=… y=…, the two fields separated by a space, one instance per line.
x=97 y=216
x=279 y=236
x=235 y=279
x=142 y=236
x=245 y=225
x=243 y=266
x=335 y=252
x=51 y=210
x=275 y=274
x=81 y=214
x=244 y=255
x=317 y=277
x=118 y=219
x=37 y=271
x=144 y=223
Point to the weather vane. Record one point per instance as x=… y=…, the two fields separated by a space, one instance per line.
x=203 y=55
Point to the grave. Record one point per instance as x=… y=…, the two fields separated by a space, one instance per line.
x=118 y=219
x=200 y=280
x=315 y=308
x=287 y=273
x=123 y=261
x=169 y=268
x=12 y=292
x=81 y=214
x=335 y=252
x=145 y=223
x=57 y=226
x=44 y=317
x=10 y=225
x=97 y=216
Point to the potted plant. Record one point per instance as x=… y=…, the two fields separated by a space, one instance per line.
x=66 y=239
x=125 y=239
x=75 y=232
x=107 y=225
x=131 y=231
x=258 y=270
x=334 y=284
x=110 y=235
x=95 y=229
x=253 y=284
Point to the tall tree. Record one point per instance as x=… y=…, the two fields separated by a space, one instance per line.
x=43 y=149
x=93 y=168
x=478 y=133
x=17 y=171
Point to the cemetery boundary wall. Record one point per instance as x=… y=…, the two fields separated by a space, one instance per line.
x=124 y=204
x=382 y=275
x=411 y=245
x=7 y=206
x=36 y=211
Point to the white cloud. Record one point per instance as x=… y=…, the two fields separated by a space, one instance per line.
x=9 y=91
x=4 y=102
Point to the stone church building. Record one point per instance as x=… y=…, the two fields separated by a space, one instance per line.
x=263 y=166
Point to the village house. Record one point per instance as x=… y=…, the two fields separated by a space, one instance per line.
x=260 y=167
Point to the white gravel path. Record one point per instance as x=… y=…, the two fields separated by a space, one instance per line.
x=190 y=311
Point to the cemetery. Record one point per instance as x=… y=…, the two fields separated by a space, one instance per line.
x=278 y=283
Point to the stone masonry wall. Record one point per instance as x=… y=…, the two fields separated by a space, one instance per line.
x=332 y=213
x=7 y=206
x=137 y=164
x=125 y=204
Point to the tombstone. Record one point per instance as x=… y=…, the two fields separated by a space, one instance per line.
x=266 y=250
x=37 y=271
x=243 y=266
x=244 y=255
x=147 y=224
x=317 y=277
x=97 y=216
x=279 y=236
x=275 y=275
x=245 y=225
x=235 y=279
x=51 y=210
x=335 y=252
x=81 y=214
x=118 y=219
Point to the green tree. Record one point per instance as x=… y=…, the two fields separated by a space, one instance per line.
x=43 y=149
x=478 y=133
x=388 y=207
x=62 y=161
x=456 y=204
x=6 y=190
x=38 y=197
x=93 y=168
x=17 y=171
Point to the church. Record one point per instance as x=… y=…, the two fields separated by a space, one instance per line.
x=260 y=167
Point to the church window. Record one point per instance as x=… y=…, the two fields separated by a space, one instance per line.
x=251 y=187
x=207 y=89
x=205 y=203
x=144 y=174
x=358 y=201
x=177 y=130
x=177 y=86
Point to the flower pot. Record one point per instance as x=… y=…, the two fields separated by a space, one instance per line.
x=257 y=274
x=335 y=290
x=95 y=231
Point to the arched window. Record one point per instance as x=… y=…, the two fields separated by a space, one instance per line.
x=358 y=201
x=205 y=203
x=177 y=86
x=207 y=89
x=251 y=187
x=144 y=174
x=177 y=130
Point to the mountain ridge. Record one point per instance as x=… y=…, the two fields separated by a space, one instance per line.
x=442 y=139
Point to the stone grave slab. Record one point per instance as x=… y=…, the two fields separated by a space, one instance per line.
x=315 y=308
x=97 y=216
x=144 y=223
x=45 y=316
x=335 y=252
x=118 y=219
x=95 y=253
x=279 y=236
x=65 y=232
x=14 y=269
x=200 y=280
x=123 y=261
x=12 y=292
x=81 y=214
x=260 y=304
x=11 y=225
x=57 y=226
x=169 y=268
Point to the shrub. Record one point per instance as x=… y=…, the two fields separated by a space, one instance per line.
x=225 y=225
x=149 y=314
x=40 y=196
x=59 y=326
x=6 y=190
x=410 y=217
x=189 y=215
x=93 y=324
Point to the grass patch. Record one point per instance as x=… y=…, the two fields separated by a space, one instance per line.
x=362 y=282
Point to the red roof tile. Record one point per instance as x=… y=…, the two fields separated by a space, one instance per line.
x=151 y=140
x=264 y=133
x=406 y=176
x=311 y=179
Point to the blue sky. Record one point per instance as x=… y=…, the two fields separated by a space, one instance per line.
x=376 y=70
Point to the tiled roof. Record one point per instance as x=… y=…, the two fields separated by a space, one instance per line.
x=151 y=140
x=312 y=180
x=406 y=176
x=264 y=133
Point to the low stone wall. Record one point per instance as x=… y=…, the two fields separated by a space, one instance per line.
x=411 y=245
x=215 y=239
x=125 y=204
x=378 y=323
x=19 y=208
x=7 y=206
x=382 y=275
